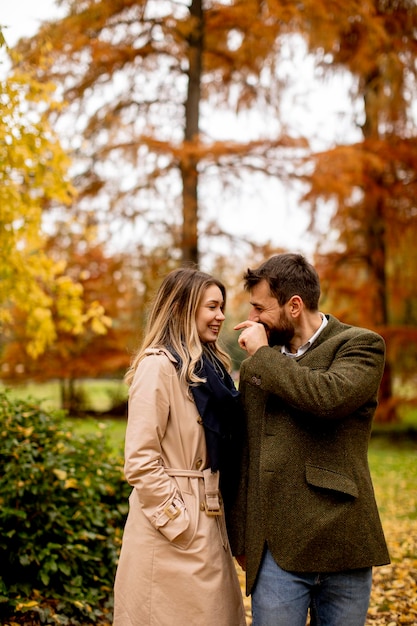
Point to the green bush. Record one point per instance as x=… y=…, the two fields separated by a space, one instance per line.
x=63 y=502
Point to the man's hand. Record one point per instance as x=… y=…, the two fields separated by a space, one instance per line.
x=253 y=336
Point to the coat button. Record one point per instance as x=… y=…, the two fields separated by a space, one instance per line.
x=202 y=507
x=199 y=463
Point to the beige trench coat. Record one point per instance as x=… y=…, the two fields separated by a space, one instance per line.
x=175 y=565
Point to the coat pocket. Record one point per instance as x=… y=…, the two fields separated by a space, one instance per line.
x=191 y=502
x=324 y=478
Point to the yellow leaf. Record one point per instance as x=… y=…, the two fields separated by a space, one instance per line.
x=60 y=474
x=26 y=432
x=71 y=483
x=26 y=605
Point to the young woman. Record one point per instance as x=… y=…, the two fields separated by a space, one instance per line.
x=175 y=564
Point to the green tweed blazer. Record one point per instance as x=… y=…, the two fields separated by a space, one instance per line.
x=306 y=489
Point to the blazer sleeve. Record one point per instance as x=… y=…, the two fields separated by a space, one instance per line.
x=148 y=413
x=332 y=380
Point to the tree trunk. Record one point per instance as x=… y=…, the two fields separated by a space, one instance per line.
x=69 y=396
x=66 y=386
x=189 y=161
x=377 y=253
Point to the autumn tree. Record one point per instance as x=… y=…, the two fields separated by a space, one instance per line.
x=371 y=182
x=123 y=284
x=144 y=83
x=33 y=176
x=158 y=69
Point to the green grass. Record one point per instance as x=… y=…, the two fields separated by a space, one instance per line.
x=394 y=472
x=112 y=429
x=100 y=395
x=47 y=394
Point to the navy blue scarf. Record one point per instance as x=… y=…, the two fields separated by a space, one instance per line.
x=219 y=405
x=218 y=402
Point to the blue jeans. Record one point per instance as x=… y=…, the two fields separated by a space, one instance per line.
x=283 y=598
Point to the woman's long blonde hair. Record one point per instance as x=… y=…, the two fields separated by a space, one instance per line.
x=172 y=323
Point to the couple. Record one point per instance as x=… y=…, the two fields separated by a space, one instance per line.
x=289 y=474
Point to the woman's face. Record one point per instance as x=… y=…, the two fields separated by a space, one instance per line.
x=210 y=317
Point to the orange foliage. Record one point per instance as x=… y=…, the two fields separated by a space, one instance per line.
x=371 y=274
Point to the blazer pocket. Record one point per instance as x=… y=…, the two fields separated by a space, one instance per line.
x=329 y=479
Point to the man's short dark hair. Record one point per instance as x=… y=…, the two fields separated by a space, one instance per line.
x=287 y=275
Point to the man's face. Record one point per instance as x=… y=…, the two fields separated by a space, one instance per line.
x=275 y=318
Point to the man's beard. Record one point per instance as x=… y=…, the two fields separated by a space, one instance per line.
x=281 y=336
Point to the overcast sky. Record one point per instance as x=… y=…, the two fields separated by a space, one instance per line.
x=22 y=17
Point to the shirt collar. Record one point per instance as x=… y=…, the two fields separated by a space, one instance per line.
x=302 y=349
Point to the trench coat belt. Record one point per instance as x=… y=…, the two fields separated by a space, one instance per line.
x=211 y=486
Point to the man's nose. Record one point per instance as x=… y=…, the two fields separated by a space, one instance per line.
x=253 y=316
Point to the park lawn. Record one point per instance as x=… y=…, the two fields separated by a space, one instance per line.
x=99 y=394
x=394 y=594
x=394 y=472
x=112 y=429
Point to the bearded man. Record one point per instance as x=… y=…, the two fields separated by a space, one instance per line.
x=305 y=525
